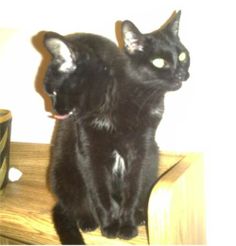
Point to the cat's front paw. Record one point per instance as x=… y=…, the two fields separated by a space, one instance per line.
x=140 y=218
x=87 y=224
x=128 y=231
x=111 y=231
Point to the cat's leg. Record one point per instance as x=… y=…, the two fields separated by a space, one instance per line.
x=86 y=220
x=95 y=165
x=128 y=220
x=66 y=227
x=141 y=174
x=104 y=208
x=68 y=185
x=71 y=192
x=150 y=176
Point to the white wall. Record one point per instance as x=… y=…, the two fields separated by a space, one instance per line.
x=191 y=113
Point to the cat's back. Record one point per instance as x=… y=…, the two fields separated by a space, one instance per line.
x=101 y=46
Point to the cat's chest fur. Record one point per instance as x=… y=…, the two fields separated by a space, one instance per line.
x=108 y=123
x=118 y=164
x=103 y=123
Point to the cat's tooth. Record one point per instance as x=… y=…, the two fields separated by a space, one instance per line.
x=182 y=56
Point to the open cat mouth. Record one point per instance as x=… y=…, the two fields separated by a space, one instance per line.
x=62 y=117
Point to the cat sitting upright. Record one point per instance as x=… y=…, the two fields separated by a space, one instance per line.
x=109 y=102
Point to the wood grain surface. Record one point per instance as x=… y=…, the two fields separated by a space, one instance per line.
x=177 y=205
x=25 y=205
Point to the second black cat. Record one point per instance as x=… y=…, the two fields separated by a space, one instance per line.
x=109 y=102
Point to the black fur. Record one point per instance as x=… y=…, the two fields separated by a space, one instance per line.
x=110 y=102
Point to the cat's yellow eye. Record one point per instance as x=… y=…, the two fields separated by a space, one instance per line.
x=159 y=62
x=182 y=56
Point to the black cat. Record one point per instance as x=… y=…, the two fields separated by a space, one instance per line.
x=109 y=102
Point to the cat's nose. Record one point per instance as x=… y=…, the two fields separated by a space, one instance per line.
x=180 y=76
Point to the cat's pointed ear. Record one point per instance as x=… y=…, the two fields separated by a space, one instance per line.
x=172 y=25
x=132 y=38
x=61 y=51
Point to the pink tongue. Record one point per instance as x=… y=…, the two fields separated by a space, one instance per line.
x=61 y=117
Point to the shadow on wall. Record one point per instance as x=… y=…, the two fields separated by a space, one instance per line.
x=119 y=38
x=38 y=43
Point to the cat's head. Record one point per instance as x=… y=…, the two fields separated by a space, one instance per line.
x=69 y=71
x=159 y=54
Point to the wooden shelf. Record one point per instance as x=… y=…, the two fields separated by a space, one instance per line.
x=25 y=205
x=176 y=212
